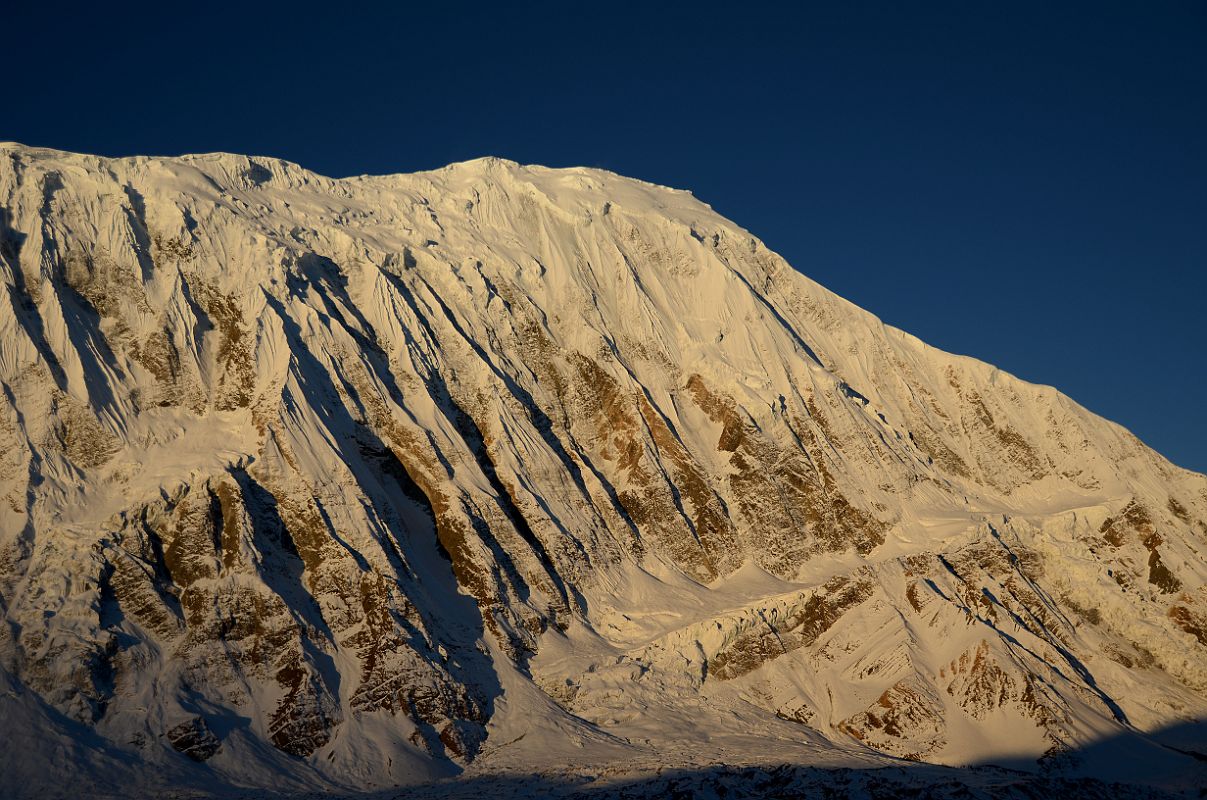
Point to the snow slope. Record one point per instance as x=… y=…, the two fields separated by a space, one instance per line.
x=339 y=484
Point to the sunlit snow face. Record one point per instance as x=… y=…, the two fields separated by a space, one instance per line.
x=498 y=468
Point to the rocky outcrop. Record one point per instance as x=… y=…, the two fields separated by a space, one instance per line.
x=194 y=739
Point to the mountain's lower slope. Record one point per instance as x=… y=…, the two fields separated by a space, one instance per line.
x=323 y=483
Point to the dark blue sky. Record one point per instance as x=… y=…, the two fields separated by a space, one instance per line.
x=1021 y=182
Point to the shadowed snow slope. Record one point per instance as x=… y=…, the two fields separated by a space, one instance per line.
x=338 y=484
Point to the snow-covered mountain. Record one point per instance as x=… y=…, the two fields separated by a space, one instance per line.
x=339 y=484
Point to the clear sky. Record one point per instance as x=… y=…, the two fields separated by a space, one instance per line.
x=1021 y=182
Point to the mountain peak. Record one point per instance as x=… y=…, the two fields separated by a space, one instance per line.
x=323 y=483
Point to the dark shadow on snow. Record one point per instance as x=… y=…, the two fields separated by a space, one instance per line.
x=1159 y=771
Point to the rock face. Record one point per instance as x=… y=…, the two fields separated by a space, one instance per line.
x=194 y=738
x=376 y=479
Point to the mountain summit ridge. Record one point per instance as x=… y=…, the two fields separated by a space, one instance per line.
x=324 y=483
